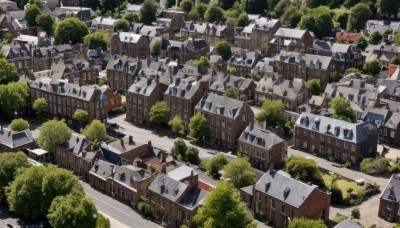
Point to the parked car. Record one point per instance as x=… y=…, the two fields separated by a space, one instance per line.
x=337 y=165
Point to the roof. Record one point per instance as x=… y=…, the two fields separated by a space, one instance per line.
x=260 y=137
x=103 y=168
x=76 y=143
x=185 y=47
x=392 y=189
x=194 y=198
x=123 y=64
x=347 y=223
x=290 y=33
x=310 y=61
x=389 y=87
x=181 y=173
x=167 y=187
x=248 y=59
x=128 y=174
x=248 y=189
x=128 y=37
x=144 y=86
x=220 y=105
x=352 y=37
x=185 y=88
x=13 y=139
x=38 y=151
x=221 y=81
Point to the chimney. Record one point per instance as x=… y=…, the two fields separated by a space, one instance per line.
x=251 y=125
x=122 y=142
x=164 y=168
x=130 y=139
x=112 y=171
x=271 y=169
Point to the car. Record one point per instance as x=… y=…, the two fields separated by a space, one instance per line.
x=337 y=165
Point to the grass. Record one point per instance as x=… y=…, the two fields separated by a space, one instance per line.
x=344 y=185
x=339 y=218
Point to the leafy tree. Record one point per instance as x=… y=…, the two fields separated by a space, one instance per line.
x=176 y=125
x=359 y=14
x=362 y=44
x=243 y=20
x=375 y=166
x=203 y=62
x=289 y=128
x=108 y=5
x=179 y=148
x=131 y=17
x=198 y=11
x=7 y=39
x=198 y=127
x=342 y=109
x=395 y=60
x=31 y=13
x=255 y=6
x=102 y=222
x=303 y=169
x=305 y=222
x=169 y=3
x=46 y=22
x=224 y=50
x=291 y=16
x=52 y=133
x=159 y=113
x=38 y=3
x=396 y=39
x=272 y=112
x=375 y=38
x=148 y=12
x=13 y=97
x=240 y=172
x=342 y=20
x=95 y=131
x=71 y=29
x=223 y=208
x=372 y=67
x=186 y=5
x=121 y=25
x=319 y=20
x=389 y=8
x=231 y=70
x=192 y=155
x=82 y=116
x=355 y=213
x=72 y=210
x=145 y=209
x=40 y=105
x=8 y=72
x=226 y=4
x=98 y=39
x=255 y=76
x=352 y=71
x=155 y=48
x=213 y=13
x=350 y=3
x=230 y=92
x=93 y=4
x=314 y=85
x=315 y=3
x=19 y=125
x=215 y=164
x=103 y=81
x=279 y=8
x=336 y=77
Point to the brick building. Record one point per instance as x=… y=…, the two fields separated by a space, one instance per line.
x=19 y=54
x=183 y=51
x=129 y=44
x=114 y=100
x=389 y=203
x=76 y=71
x=244 y=62
x=211 y=33
x=121 y=73
x=244 y=87
x=288 y=39
x=11 y=141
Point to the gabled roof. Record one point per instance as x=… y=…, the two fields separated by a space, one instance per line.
x=12 y=139
x=290 y=33
x=128 y=37
x=185 y=88
x=167 y=187
x=223 y=106
x=348 y=223
x=260 y=137
x=392 y=189
x=129 y=174
x=77 y=143
x=221 y=81
x=144 y=86
x=123 y=64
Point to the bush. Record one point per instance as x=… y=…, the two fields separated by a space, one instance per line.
x=374 y=166
x=355 y=212
x=394 y=169
x=331 y=158
x=144 y=209
x=337 y=195
x=347 y=164
x=151 y=168
x=370 y=190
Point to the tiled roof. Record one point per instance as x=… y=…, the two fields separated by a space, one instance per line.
x=290 y=33
x=184 y=88
x=167 y=187
x=392 y=190
x=12 y=139
x=352 y=37
x=347 y=223
x=220 y=105
x=144 y=86
x=260 y=137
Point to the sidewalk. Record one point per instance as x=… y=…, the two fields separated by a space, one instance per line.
x=114 y=223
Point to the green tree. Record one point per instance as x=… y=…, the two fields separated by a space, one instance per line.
x=226 y=4
x=396 y=39
x=362 y=44
x=352 y=71
x=272 y=112
x=223 y=208
x=342 y=109
x=13 y=97
x=8 y=72
x=198 y=127
x=224 y=50
x=159 y=113
x=306 y=223
x=131 y=17
x=314 y=85
x=96 y=130
x=121 y=25
x=155 y=48
x=240 y=173
x=336 y=77
x=31 y=12
x=98 y=39
x=38 y=3
x=372 y=67
x=230 y=92
x=198 y=11
x=176 y=125
x=303 y=169
x=7 y=38
x=319 y=20
x=46 y=22
x=71 y=29
x=375 y=166
x=255 y=6
x=375 y=38
x=315 y=3
x=169 y=3
x=103 y=81
x=215 y=164
x=179 y=149
x=109 y=5
x=350 y=3
x=389 y=8
x=19 y=125
x=213 y=13
x=40 y=105
x=355 y=213
x=359 y=14
x=148 y=12
x=243 y=20
x=203 y=62
x=192 y=155
x=395 y=60
x=52 y=133
x=342 y=19
x=102 y=222
x=186 y=5
x=291 y=16
x=255 y=76
x=82 y=116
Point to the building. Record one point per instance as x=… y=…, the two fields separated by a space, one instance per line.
x=390 y=199
x=288 y=39
x=244 y=87
x=339 y=139
x=129 y=44
x=19 y=54
x=114 y=100
x=183 y=51
x=348 y=37
x=262 y=146
x=348 y=223
x=65 y=98
x=83 y=13
x=281 y=198
x=387 y=122
x=175 y=196
x=226 y=117
x=211 y=33
x=12 y=141
x=244 y=62
x=76 y=71
x=101 y=23
x=121 y=73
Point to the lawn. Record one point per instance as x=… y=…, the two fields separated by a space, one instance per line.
x=344 y=185
x=339 y=218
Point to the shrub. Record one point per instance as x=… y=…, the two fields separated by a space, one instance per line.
x=151 y=168
x=394 y=169
x=355 y=212
x=144 y=209
x=374 y=166
x=330 y=158
x=350 y=190
x=347 y=164
x=337 y=195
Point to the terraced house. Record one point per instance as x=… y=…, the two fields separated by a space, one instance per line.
x=129 y=44
x=288 y=39
x=121 y=73
x=211 y=33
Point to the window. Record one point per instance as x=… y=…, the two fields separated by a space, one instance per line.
x=241 y=147
x=284 y=209
x=312 y=134
x=337 y=142
x=346 y=145
x=272 y=203
x=353 y=148
x=305 y=133
x=244 y=118
x=321 y=137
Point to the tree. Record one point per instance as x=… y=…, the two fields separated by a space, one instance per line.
x=148 y=12
x=155 y=48
x=8 y=72
x=396 y=39
x=19 y=125
x=319 y=20
x=255 y=76
x=186 y=5
x=98 y=39
x=224 y=50
x=240 y=173
x=308 y=223
x=355 y=213
x=372 y=67
x=169 y=3
x=121 y=25
x=159 y=113
x=359 y=14
x=176 y=125
x=376 y=166
x=314 y=85
x=38 y=3
x=226 y=4
x=223 y=208
x=131 y=17
x=40 y=105
x=31 y=12
x=342 y=109
x=192 y=155
x=303 y=169
x=215 y=164
x=52 y=133
x=375 y=38
x=179 y=149
x=102 y=222
x=291 y=16
x=70 y=29
x=95 y=131
x=81 y=116
x=46 y=22
x=7 y=38
x=203 y=62
x=362 y=44
x=198 y=11
x=395 y=60
x=213 y=13
x=109 y=5
x=103 y=81
x=352 y=71
x=72 y=210
x=13 y=97
x=198 y=127
x=243 y=20
x=389 y=8
x=342 y=19
x=230 y=92
x=272 y=112
x=255 y=6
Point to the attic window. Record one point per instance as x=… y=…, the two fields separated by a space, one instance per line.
x=337 y=131
x=267 y=185
x=286 y=192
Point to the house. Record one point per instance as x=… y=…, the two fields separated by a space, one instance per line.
x=226 y=117
x=75 y=70
x=389 y=89
x=174 y=18
x=265 y=67
x=342 y=140
x=262 y=147
x=244 y=62
x=114 y=100
x=348 y=223
x=211 y=33
x=6 y=5
x=12 y=141
x=183 y=51
x=101 y=23
x=387 y=122
x=381 y=26
x=19 y=54
x=386 y=52
x=389 y=200
x=218 y=63
x=348 y=37
x=43 y=57
x=129 y=44
x=244 y=87
x=288 y=39
x=83 y=13
x=122 y=72
x=281 y=198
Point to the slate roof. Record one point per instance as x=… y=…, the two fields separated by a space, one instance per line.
x=311 y=61
x=351 y=132
x=220 y=105
x=144 y=87
x=392 y=189
x=128 y=174
x=393 y=106
x=185 y=88
x=123 y=64
x=181 y=173
x=260 y=137
x=77 y=143
x=12 y=139
x=316 y=100
x=103 y=21
x=347 y=223
x=205 y=28
x=265 y=64
x=248 y=189
x=389 y=87
x=289 y=89
x=103 y=168
x=34 y=40
x=194 y=198
x=128 y=37
x=167 y=187
x=248 y=59
x=393 y=121
x=290 y=33
x=221 y=81
x=184 y=47
x=266 y=85
x=375 y=116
